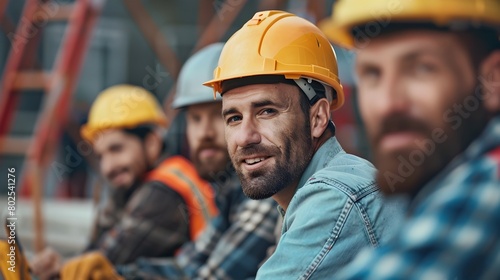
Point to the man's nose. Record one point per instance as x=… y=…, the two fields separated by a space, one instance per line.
x=207 y=129
x=394 y=96
x=247 y=133
x=106 y=166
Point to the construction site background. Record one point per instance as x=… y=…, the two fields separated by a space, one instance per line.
x=136 y=42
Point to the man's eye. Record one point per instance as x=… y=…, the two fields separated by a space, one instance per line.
x=233 y=119
x=268 y=111
x=369 y=76
x=194 y=118
x=424 y=68
x=116 y=148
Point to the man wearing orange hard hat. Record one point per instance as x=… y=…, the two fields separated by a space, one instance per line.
x=278 y=79
x=429 y=94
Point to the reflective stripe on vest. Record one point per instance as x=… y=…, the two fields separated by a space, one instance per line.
x=181 y=176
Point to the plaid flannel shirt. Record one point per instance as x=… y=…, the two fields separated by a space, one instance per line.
x=453 y=229
x=232 y=247
x=129 y=228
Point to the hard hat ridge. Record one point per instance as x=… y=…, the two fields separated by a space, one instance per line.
x=278 y=43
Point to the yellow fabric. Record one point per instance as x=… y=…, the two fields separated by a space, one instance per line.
x=90 y=266
x=279 y=43
x=348 y=14
x=122 y=106
x=13 y=265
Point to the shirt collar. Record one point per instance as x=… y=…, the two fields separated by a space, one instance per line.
x=320 y=159
x=487 y=140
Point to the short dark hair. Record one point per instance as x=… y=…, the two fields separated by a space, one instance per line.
x=305 y=103
x=480 y=43
x=140 y=131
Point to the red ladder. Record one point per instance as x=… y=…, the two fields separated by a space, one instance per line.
x=20 y=74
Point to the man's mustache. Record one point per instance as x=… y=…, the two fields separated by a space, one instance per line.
x=255 y=150
x=116 y=172
x=210 y=145
x=401 y=123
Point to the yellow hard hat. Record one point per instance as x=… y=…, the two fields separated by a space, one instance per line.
x=279 y=43
x=376 y=14
x=122 y=106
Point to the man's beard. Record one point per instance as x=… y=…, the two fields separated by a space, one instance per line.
x=409 y=169
x=121 y=196
x=208 y=168
x=288 y=169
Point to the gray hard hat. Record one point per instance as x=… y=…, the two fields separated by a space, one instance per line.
x=197 y=69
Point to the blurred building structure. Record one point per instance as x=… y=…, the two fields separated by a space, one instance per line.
x=141 y=42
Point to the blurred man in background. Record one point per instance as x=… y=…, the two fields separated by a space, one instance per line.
x=236 y=241
x=278 y=79
x=153 y=209
x=429 y=94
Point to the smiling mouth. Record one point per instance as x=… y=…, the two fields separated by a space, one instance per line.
x=255 y=163
x=252 y=161
x=118 y=175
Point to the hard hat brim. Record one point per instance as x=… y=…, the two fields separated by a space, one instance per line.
x=378 y=14
x=216 y=84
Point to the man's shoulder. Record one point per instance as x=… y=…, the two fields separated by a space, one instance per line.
x=487 y=165
x=344 y=179
x=473 y=182
x=347 y=173
x=153 y=194
x=482 y=169
x=235 y=204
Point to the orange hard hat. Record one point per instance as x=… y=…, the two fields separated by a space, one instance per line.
x=279 y=43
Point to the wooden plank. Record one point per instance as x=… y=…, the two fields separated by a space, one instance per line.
x=27 y=80
x=14 y=145
x=53 y=11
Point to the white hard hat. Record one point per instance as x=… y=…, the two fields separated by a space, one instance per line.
x=197 y=69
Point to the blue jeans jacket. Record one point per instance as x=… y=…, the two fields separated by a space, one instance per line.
x=336 y=211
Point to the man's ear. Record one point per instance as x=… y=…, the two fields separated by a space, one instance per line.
x=319 y=116
x=153 y=146
x=489 y=76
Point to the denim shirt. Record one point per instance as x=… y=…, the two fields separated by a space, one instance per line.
x=336 y=211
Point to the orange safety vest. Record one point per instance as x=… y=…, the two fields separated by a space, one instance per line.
x=180 y=175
